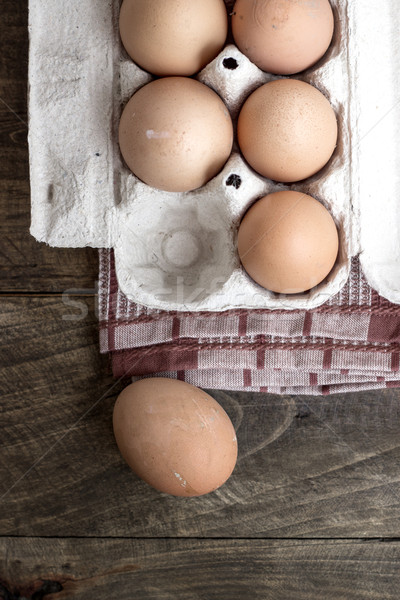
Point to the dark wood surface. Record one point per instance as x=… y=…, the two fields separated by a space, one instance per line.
x=312 y=510
x=171 y=569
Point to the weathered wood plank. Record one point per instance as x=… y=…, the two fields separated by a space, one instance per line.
x=26 y=265
x=308 y=467
x=199 y=569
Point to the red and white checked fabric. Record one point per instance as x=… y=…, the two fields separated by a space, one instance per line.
x=349 y=344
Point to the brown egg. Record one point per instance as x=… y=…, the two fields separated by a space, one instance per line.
x=287 y=130
x=175 y=134
x=175 y=436
x=283 y=36
x=173 y=37
x=288 y=242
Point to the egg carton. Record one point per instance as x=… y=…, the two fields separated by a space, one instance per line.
x=179 y=250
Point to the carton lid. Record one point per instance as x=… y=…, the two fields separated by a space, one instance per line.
x=375 y=85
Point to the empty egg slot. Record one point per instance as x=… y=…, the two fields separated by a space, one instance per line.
x=176 y=249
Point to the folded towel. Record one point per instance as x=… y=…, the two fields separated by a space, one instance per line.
x=350 y=343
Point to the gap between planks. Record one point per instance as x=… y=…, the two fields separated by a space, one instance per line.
x=360 y=540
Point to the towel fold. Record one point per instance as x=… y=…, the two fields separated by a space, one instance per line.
x=351 y=343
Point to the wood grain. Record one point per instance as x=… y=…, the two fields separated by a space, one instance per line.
x=199 y=569
x=308 y=467
x=26 y=265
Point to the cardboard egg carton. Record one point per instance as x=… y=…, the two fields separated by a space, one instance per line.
x=178 y=250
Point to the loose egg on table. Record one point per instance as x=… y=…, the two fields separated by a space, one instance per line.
x=175 y=436
x=287 y=130
x=173 y=37
x=288 y=242
x=175 y=134
x=283 y=36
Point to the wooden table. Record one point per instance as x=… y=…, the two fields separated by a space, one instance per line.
x=311 y=512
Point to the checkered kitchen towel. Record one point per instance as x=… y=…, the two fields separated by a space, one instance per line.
x=351 y=343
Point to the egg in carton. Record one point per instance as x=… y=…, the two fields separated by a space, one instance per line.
x=178 y=251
